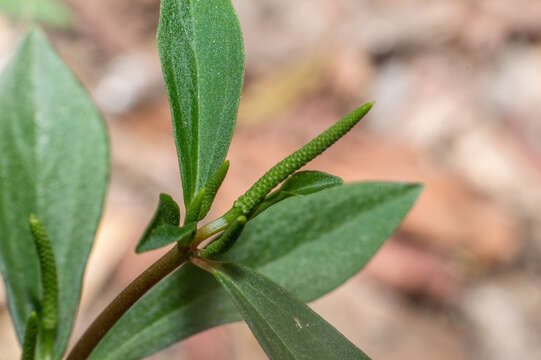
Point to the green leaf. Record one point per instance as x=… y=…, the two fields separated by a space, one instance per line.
x=202 y=54
x=285 y=327
x=167 y=212
x=312 y=244
x=309 y=245
x=300 y=183
x=53 y=163
x=50 y=12
x=309 y=182
x=183 y=304
x=164 y=235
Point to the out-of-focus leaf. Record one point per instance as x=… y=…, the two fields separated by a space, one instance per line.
x=50 y=12
x=54 y=162
x=202 y=54
x=309 y=245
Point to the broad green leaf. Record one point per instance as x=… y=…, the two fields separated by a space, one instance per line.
x=167 y=213
x=309 y=245
x=312 y=244
x=53 y=163
x=285 y=327
x=300 y=183
x=202 y=54
x=164 y=235
x=51 y=12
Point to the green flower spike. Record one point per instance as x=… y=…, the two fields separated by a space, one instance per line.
x=49 y=282
x=30 y=338
x=253 y=197
x=48 y=273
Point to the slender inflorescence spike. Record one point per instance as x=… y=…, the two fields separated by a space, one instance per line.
x=226 y=240
x=30 y=338
x=247 y=202
x=48 y=274
x=212 y=188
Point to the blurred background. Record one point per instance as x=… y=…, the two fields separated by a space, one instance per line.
x=457 y=85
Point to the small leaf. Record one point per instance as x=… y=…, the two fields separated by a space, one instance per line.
x=167 y=213
x=309 y=182
x=309 y=245
x=285 y=327
x=54 y=162
x=50 y=12
x=164 y=235
x=300 y=183
x=202 y=54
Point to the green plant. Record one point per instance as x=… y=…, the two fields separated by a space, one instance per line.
x=268 y=255
x=50 y=12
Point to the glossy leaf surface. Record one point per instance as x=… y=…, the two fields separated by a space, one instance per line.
x=202 y=54
x=309 y=245
x=286 y=328
x=53 y=163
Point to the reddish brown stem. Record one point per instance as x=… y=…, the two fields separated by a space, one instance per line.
x=133 y=292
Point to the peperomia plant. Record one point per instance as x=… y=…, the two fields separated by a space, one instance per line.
x=275 y=249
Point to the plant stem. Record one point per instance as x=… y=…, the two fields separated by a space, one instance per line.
x=133 y=292
x=213 y=227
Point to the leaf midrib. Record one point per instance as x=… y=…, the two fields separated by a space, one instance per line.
x=193 y=45
x=198 y=98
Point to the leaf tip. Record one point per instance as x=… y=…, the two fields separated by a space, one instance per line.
x=139 y=249
x=418 y=188
x=34 y=33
